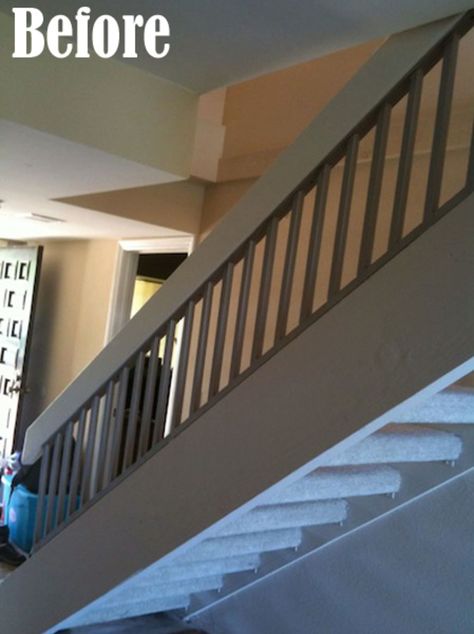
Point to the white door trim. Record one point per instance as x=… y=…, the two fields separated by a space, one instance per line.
x=126 y=263
x=174 y=244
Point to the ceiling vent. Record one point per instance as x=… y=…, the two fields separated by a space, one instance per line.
x=41 y=218
x=32 y=217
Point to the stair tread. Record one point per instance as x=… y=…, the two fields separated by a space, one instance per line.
x=453 y=405
x=259 y=542
x=180 y=571
x=277 y=516
x=400 y=443
x=339 y=482
x=133 y=591
x=113 y=612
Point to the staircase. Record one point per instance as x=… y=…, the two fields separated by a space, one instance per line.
x=267 y=406
x=352 y=488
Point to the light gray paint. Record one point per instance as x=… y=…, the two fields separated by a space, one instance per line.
x=411 y=571
x=219 y=42
x=369 y=86
x=260 y=433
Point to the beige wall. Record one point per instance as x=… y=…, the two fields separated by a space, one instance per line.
x=71 y=316
x=264 y=115
x=210 y=135
x=269 y=112
x=219 y=199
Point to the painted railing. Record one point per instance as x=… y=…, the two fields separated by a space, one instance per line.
x=354 y=212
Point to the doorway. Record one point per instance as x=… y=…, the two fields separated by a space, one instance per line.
x=152 y=271
x=151 y=261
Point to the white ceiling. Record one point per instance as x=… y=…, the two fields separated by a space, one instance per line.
x=36 y=168
x=219 y=42
x=214 y=43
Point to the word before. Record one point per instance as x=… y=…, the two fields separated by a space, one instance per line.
x=105 y=35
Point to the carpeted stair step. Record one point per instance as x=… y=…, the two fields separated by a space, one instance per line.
x=454 y=405
x=338 y=482
x=120 y=610
x=267 y=541
x=397 y=443
x=194 y=570
x=278 y=516
x=146 y=589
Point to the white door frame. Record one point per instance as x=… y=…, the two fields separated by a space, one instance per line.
x=128 y=252
x=126 y=264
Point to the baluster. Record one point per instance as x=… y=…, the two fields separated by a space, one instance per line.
x=64 y=475
x=441 y=127
x=132 y=422
x=265 y=286
x=53 y=482
x=114 y=462
x=88 y=462
x=202 y=347
x=375 y=187
x=350 y=166
x=76 y=464
x=216 y=366
x=290 y=260
x=406 y=158
x=101 y=460
x=182 y=365
x=149 y=399
x=165 y=382
x=242 y=310
x=42 y=488
x=314 y=248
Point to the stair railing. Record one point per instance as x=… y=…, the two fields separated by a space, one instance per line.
x=256 y=302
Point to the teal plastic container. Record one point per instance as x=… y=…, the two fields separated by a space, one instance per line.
x=19 y=512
